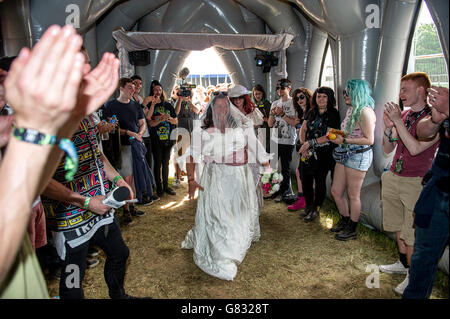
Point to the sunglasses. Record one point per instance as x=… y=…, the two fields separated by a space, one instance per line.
x=222 y=93
x=281 y=87
x=300 y=97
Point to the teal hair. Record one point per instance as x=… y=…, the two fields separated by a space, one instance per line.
x=360 y=93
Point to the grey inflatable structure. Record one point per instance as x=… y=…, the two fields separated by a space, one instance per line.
x=369 y=39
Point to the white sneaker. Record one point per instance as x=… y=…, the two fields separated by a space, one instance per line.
x=402 y=286
x=396 y=268
x=176 y=183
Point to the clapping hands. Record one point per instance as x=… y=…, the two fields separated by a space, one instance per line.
x=51 y=89
x=438 y=99
x=392 y=113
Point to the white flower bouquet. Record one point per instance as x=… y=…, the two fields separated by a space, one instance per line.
x=270 y=181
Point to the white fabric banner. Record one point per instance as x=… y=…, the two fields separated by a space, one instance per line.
x=137 y=41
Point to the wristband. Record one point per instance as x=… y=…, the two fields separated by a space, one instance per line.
x=86 y=202
x=116 y=179
x=38 y=138
x=389 y=136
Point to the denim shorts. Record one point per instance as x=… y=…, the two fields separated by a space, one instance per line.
x=349 y=158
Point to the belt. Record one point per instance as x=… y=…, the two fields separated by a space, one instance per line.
x=361 y=150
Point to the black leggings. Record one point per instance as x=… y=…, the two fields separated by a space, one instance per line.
x=161 y=158
x=314 y=172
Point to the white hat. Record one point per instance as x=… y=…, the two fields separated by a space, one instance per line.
x=237 y=90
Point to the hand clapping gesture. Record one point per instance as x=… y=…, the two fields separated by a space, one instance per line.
x=392 y=114
x=57 y=63
x=438 y=99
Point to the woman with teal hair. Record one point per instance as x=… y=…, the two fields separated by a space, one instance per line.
x=353 y=155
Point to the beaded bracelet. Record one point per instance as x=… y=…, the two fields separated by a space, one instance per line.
x=38 y=138
x=389 y=136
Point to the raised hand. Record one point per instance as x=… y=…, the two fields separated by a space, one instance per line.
x=387 y=122
x=438 y=99
x=98 y=85
x=42 y=84
x=392 y=112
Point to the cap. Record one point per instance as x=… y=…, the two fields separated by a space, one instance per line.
x=237 y=90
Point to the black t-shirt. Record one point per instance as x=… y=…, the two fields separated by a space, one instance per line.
x=264 y=108
x=318 y=125
x=186 y=117
x=128 y=116
x=161 y=132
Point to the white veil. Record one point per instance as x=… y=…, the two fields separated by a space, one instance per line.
x=231 y=131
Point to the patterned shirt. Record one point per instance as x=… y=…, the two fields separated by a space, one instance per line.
x=77 y=224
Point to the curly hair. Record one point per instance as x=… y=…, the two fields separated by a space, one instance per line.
x=308 y=94
x=152 y=86
x=249 y=106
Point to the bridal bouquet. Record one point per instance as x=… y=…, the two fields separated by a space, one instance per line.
x=271 y=180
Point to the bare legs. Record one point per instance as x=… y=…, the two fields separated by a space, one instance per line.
x=351 y=180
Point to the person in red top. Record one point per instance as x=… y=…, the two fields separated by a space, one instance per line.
x=402 y=184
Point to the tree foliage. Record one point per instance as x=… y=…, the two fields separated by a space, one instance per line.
x=427 y=40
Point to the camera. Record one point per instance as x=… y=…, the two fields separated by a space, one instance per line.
x=185 y=89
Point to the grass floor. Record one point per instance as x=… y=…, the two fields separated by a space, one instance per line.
x=293 y=259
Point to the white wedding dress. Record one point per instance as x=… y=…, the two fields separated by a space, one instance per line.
x=227 y=217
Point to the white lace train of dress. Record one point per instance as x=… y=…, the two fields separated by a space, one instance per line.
x=227 y=219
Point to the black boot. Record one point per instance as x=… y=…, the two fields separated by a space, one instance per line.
x=305 y=212
x=312 y=215
x=341 y=224
x=127 y=220
x=349 y=231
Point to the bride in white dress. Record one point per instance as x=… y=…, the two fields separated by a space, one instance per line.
x=227 y=217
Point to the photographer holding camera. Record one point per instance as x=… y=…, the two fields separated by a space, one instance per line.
x=187 y=112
